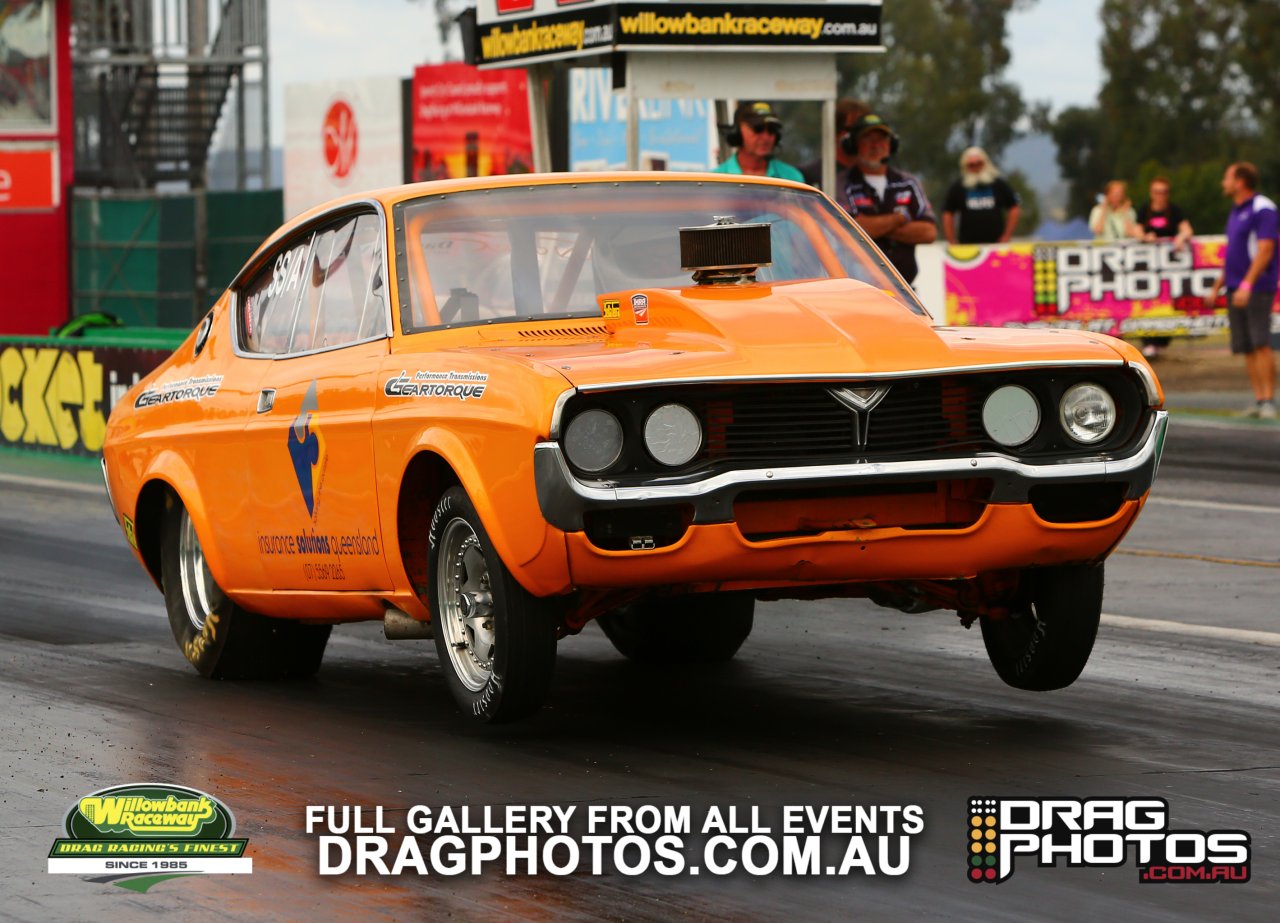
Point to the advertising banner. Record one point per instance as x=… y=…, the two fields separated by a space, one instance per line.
x=29 y=176
x=674 y=134
x=529 y=31
x=1121 y=289
x=57 y=398
x=340 y=136
x=468 y=122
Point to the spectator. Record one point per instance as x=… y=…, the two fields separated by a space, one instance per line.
x=890 y=205
x=987 y=206
x=848 y=111
x=1250 y=273
x=1113 y=217
x=1161 y=219
x=756 y=133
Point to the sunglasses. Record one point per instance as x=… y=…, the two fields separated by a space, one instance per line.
x=770 y=127
x=975 y=164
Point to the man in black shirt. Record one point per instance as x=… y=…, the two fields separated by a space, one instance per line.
x=986 y=205
x=890 y=205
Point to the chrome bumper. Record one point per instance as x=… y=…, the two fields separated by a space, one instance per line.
x=564 y=499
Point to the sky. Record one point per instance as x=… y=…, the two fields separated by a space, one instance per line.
x=1054 y=46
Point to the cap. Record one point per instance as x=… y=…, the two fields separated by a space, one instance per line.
x=871 y=122
x=755 y=114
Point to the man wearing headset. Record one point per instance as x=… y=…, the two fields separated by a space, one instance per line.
x=756 y=133
x=889 y=204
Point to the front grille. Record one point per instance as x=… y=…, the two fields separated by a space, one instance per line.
x=781 y=422
x=799 y=423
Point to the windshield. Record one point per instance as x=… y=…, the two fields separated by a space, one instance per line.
x=550 y=251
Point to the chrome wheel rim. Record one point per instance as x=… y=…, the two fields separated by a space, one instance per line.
x=466 y=604
x=197 y=583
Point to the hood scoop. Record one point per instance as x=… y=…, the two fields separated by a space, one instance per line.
x=726 y=252
x=575 y=332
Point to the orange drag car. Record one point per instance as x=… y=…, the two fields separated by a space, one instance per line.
x=493 y=410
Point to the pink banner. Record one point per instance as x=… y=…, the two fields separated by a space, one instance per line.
x=1123 y=289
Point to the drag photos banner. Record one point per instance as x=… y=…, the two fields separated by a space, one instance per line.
x=1121 y=289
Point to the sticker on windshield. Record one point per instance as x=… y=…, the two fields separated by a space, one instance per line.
x=640 y=308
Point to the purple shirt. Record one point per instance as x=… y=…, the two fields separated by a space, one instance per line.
x=1248 y=223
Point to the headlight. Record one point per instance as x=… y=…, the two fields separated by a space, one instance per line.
x=1011 y=415
x=593 y=440
x=672 y=434
x=1088 y=413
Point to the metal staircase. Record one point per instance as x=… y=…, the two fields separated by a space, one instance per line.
x=151 y=81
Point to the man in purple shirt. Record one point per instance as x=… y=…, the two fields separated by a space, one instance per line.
x=1250 y=273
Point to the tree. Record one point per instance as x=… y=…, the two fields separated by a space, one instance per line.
x=1190 y=87
x=939 y=86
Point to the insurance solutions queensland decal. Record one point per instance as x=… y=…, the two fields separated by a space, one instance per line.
x=136 y=836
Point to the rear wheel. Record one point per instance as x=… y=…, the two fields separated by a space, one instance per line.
x=219 y=638
x=1046 y=641
x=496 y=641
x=701 y=628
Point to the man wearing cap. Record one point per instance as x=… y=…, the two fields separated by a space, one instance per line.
x=755 y=133
x=848 y=111
x=890 y=205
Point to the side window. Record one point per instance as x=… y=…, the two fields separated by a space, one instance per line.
x=268 y=301
x=339 y=302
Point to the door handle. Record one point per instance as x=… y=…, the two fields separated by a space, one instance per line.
x=266 y=399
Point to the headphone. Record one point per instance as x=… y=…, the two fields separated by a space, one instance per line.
x=849 y=143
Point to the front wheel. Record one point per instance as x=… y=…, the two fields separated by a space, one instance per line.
x=1046 y=641
x=496 y=641
x=220 y=639
x=702 y=628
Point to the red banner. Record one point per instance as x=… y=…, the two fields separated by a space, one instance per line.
x=469 y=122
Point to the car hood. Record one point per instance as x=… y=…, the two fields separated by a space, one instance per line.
x=831 y=328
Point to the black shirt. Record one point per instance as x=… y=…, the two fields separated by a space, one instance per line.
x=1161 y=224
x=903 y=194
x=981 y=209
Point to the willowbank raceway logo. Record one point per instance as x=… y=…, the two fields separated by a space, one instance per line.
x=136 y=836
x=1099 y=833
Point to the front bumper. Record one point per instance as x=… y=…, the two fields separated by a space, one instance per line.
x=565 y=500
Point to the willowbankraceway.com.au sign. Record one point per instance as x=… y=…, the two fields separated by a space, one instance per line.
x=136 y=836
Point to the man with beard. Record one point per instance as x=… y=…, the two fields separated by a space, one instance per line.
x=985 y=204
x=889 y=204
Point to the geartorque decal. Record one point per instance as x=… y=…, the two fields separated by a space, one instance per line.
x=188 y=389
x=459 y=385
x=1099 y=832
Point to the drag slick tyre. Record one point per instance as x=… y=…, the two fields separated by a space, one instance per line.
x=496 y=641
x=1046 y=641
x=701 y=628
x=220 y=639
